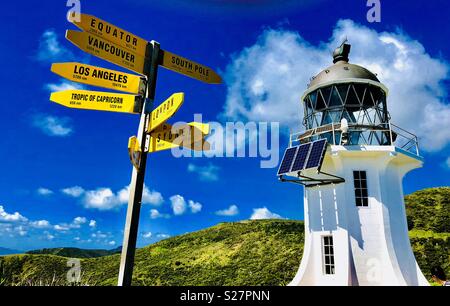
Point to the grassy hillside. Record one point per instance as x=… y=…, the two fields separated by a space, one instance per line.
x=260 y=252
x=429 y=210
x=243 y=253
x=75 y=252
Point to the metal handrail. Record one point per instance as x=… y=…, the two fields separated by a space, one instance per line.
x=396 y=134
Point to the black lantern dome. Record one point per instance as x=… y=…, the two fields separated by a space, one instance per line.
x=349 y=94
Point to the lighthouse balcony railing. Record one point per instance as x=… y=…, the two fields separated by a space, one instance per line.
x=365 y=134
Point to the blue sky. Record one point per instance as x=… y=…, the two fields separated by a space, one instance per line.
x=64 y=172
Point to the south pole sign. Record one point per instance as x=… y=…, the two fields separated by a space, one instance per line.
x=189 y=68
x=117 y=46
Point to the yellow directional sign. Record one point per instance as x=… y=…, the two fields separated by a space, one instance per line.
x=190 y=136
x=108 y=31
x=134 y=151
x=100 y=77
x=96 y=100
x=190 y=68
x=107 y=50
x=165 y=110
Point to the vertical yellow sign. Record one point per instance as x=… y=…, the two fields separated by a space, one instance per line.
x=165 y=110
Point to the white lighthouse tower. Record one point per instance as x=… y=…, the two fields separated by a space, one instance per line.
x=351 y=160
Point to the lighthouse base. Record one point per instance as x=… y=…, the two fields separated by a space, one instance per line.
x=356 y=232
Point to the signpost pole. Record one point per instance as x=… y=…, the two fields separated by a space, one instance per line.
x=138 y=175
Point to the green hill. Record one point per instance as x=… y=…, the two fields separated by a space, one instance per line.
x=75 y=252
x=259 y=252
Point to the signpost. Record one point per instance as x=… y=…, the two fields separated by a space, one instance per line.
x=97 y=100
x=101 y=77
x=127 y=50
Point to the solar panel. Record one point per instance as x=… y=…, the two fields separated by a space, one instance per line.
x=300 y=159
x=288 y=158
x=316 y=155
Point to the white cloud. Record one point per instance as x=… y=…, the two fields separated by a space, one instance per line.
x=92 y=223
x=112 y=243
x=20 y=230
x=178 y=204
x=147 y=235
x=75 y=224
x=44 y=191
x=53 y=125
x=194 y=206
x=63 y=85
x=101 y=199
x=205 y=173
x=7 y=217
x=263 y=213
x=155 y=214
x=106 y=199
x=79 y=221
x=233 y=210
x=148 y=196
x=151 y=197
x=49 y=236
x=40 y=224
x=266 y=81
x=162 y=236
x=61 y=227
x=100 y=235
x=75 y=191
x=51 y=50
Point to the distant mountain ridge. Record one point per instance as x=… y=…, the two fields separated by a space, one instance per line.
x=6 y=251
x=76 y=252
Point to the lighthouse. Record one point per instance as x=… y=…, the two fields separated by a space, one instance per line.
x=351 y=160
